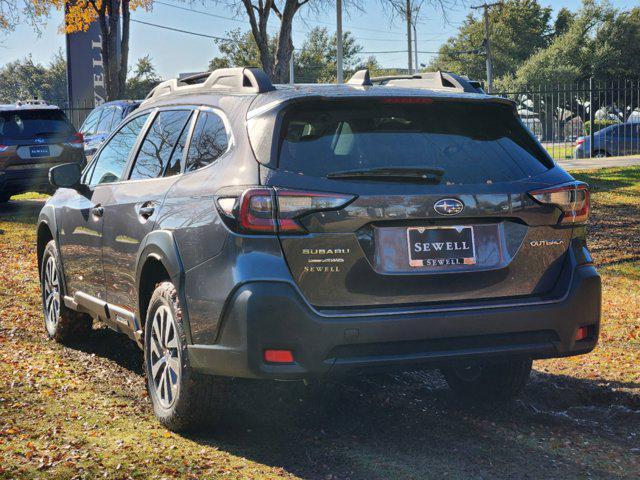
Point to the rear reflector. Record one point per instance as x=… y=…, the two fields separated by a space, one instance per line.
x=583 y=333
x=278 y=356
x=573 y=199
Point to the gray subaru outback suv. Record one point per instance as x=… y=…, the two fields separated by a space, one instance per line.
x=233 y=228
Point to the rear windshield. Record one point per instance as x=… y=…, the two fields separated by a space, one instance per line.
x=471 y=143
x=34 y=123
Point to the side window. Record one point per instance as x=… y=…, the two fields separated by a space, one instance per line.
x=176 y=157
x=209 y=141
x=155 y=152
x=104 y=125
x=113 y=157
x=116 y=119
x=89 y=125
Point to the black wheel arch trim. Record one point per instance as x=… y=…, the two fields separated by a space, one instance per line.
x=160 y=245
x=47 y=217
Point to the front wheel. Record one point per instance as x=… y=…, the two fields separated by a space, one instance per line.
x=182 y=399
x=62 y=324
x=503 y=380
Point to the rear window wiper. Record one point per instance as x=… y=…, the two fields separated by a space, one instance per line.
x=426 y=175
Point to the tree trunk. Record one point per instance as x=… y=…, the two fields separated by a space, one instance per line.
x=259 y=31
x=124 y=47
x=285 y=43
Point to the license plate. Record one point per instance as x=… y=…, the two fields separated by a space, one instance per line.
x=39 y=151
x=441 y=246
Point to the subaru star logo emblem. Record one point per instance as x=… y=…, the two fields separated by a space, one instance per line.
x=38 y=140
x=449 y=206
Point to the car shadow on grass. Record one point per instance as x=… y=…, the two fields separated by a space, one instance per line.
x=409 y=425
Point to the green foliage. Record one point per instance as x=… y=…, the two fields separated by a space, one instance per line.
x=598 y=124
x=25 y=79
x=518 y=29
x=599 y=42
x=316 y=61
x=239 y=51
x=143 y=80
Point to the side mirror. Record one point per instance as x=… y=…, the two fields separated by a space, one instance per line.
x=66 y=175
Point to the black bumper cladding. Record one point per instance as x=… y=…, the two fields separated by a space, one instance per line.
x=272 y=315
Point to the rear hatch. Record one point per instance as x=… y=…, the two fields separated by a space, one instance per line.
x=439 y=208
x=37 y=138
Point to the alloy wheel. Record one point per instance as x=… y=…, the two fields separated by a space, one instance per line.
x=164 y=356
x=51 y=295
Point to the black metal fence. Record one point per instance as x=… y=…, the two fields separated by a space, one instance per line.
x=584 y=120
x=77 y=112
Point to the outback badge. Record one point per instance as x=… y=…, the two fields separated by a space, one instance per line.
x=448 y=206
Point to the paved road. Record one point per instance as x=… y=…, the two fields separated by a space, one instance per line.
x=590 y=163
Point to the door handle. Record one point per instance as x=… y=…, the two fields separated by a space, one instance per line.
x=97 y=211
x=146 y=210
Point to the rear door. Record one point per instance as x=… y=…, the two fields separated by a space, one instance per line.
x=135 y=203
x=442 y=211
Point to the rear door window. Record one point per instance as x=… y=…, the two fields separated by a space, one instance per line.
x=471 y=142
x=23 y=124
x=159 y=144
x=209 y=141
x=89 y=125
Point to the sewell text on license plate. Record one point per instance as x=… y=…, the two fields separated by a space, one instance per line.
x=441 y=246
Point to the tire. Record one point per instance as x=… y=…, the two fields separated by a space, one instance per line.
x=4 y=197
x=491 y=381
x=182 y=399
x=61 y=323
x=600 y=154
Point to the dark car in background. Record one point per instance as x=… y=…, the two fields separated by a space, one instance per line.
x=614 y=141
x=34 y=137
x=233 y=228
x=102 y=120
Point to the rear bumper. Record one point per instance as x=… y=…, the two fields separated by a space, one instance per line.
x=18 y=181
x=272 y=315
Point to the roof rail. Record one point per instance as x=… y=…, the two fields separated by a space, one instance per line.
x=230 y=80
x=32 y=101
x=361 y=78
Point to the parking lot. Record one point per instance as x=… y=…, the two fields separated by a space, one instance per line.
x=81 y=411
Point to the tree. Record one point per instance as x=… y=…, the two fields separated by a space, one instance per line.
x=316 y=61
x=563 y=21
x=571 y=57
x=12 y=12
x=113 y=16
x=519 y=28
x=240 y=50
x=144 y=78
x=24 y=79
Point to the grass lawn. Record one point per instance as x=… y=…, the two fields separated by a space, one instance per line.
x=81 y=411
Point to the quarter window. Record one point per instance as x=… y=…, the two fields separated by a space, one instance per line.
x=157 y=148
x=209 y=141
x=113 y=157
x=104 y=125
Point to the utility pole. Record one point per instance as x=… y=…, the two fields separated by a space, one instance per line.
x=415 y=49
x=340 y=74
x=487 y=42
x=409 y=56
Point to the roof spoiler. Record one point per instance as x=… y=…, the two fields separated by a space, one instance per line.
x=228 y=80
x=432 y=80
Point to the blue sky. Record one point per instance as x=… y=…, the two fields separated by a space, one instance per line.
x=174 y=52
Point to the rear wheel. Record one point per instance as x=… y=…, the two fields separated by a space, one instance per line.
x=503 y=380
x=62 y=324
x=600 y=154
x=4 y=197
x=182 y=399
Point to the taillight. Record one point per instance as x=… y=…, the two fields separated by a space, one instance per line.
x=3 y=148
x=580 y=141
x=573 y=199
x=261 y=210
x=77 y=140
